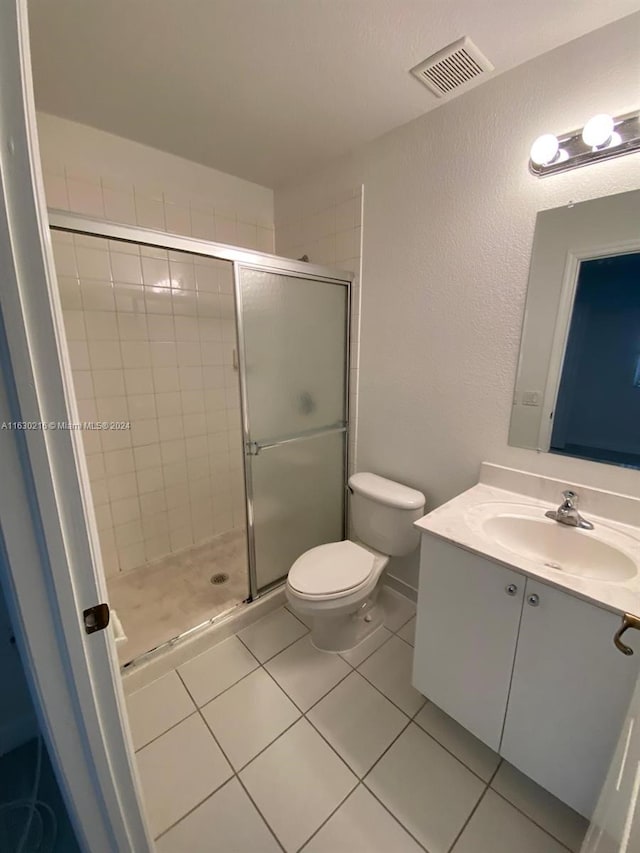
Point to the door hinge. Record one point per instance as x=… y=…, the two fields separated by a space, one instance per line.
x=96 y=618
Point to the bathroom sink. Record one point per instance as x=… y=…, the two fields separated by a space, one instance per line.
x=567 y=549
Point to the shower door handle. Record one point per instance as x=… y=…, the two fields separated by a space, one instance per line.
x=253 y=448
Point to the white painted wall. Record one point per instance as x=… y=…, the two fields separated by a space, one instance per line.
x=89 y=171
x=449 y=216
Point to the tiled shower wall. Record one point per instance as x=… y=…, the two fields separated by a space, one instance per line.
x=107 y=177
x=151 y=336
x=329 y=231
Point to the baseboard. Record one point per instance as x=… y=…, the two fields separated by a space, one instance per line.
x=402 y=587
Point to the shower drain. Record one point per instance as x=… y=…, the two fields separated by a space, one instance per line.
x=221 y=577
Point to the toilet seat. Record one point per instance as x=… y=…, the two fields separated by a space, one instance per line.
x=333 y=570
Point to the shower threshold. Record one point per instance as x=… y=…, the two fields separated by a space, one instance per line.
x=174 y=641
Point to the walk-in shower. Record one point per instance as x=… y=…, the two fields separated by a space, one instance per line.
x=216 y=383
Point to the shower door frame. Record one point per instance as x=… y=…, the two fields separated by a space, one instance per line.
x=78 y=223
x=301 y=271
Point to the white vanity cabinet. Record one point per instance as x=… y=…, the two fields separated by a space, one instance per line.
x=468 y=616
x=529 y=669
x=569 y=694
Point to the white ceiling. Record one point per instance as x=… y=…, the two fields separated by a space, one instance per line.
x=270 y=89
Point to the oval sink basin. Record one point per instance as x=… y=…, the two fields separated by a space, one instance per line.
x=556 y=546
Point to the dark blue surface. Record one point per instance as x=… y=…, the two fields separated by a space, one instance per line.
x=17 y=771
x=597 y=413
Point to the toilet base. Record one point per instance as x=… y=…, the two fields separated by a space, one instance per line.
x=344 y=632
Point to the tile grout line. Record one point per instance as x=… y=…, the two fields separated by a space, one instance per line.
x=413 y=720
x=477 y=805
x=295 y=615
x=193 y=808
x=366 y=657
x=166 y=731
x=303 y=715
x=377 y=761
x=324 y=695
x=473 y=811
x=355 y=667
x=275 y=654
x=290 y=698
x=266 y=747
x=389 y=698
x=446 y=748
x=395 y=817
x=360 y=779
x=529 y=818
x=234 y=774
x=328 y=818
x=382 y=754
x=226 y=689
x=404 y=641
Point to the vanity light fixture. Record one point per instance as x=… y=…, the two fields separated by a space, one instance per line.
x=602 y=138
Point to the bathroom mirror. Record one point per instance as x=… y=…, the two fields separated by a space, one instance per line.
x=577 y=389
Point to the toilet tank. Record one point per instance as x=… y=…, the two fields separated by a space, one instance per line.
x=383 y=512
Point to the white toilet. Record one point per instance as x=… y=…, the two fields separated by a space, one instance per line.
x=335 y=587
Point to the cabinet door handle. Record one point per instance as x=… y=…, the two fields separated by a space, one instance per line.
x=628 y=621
x=533 y=600
x=511 y=589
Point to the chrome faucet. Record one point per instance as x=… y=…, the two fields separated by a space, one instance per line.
x=567 y=513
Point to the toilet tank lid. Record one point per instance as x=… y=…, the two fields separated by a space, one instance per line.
x=386 y=491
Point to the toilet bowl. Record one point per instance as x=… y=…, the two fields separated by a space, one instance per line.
x=334 y=587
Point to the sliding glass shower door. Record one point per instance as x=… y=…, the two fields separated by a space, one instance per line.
x=294 y=356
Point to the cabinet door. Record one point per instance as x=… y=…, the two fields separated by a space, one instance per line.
x=468 y=614
x=569 y=695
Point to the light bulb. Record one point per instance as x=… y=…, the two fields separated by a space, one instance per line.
x=616 y=139
x=544 y=150
x=598 y=130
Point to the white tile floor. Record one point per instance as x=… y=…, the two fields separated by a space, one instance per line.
x=264 y=744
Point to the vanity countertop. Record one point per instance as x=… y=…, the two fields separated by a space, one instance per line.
x=460 y=521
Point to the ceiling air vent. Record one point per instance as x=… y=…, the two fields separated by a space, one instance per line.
x=452 y=67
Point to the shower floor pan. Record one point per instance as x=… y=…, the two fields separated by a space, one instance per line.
x=161 y=600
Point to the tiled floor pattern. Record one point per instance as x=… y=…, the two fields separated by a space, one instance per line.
x=161 y=600
x=263 y=743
